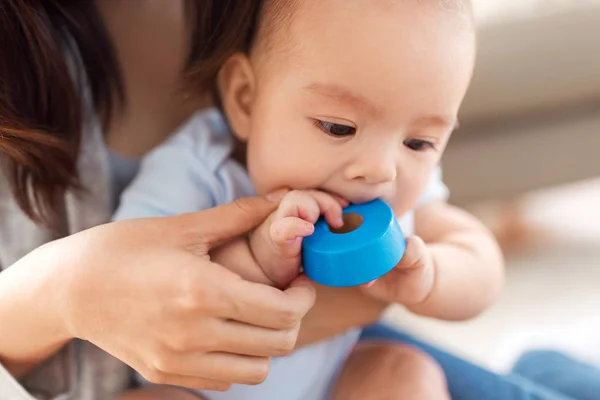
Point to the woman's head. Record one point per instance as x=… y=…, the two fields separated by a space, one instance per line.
x=354 y=97
x=41 y=110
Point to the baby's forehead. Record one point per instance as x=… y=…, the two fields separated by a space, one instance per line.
x=385 y=51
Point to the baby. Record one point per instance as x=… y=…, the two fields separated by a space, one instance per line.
x=343 y=102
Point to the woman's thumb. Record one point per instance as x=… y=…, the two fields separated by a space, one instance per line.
x=229 y=220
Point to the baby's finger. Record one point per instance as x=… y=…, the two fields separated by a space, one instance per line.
x=330 y=207
x=343 y=202
x=285 y=231
x=414 y=255
x=299 y=204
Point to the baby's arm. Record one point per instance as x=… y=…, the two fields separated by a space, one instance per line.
x=452 y=269
x=468 y=263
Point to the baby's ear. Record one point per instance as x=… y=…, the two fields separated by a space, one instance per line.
x=236 y=86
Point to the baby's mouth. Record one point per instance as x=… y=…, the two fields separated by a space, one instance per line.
x=351 y=198
x=360 y=199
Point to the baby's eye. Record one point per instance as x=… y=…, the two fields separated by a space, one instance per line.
x=418 y=144
x=336 y=130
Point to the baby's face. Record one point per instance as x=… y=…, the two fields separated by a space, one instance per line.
x=363 y=101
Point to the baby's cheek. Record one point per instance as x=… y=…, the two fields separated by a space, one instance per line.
x=401 y=209
x=268 y=177
x=258 y=178
x=262 y=185
x=407 y=198
x=265 y=168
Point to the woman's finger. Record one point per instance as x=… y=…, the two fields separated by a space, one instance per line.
x=190 y=382
x=269 y=307
x=228 y=336
x=239 y=338
x=161 y=392
x=213 y=367
x=227 y=221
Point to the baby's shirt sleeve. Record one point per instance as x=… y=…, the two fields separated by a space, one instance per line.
x=191 y=171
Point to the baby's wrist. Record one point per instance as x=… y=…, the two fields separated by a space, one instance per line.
x=261 y=254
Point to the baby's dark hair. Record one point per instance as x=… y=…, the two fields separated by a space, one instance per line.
x=221 y=28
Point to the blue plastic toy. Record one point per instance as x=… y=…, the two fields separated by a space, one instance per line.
x=351 y=257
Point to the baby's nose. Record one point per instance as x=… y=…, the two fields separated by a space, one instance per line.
x=373 y=169
x=380 y=174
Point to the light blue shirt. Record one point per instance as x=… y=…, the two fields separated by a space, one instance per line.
x=193 y=171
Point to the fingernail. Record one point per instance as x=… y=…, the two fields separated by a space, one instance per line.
x=340 y=222
x=277 y=195
x=309 y=227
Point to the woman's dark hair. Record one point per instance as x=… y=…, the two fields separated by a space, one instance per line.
x=41 y=96
x=41 y=109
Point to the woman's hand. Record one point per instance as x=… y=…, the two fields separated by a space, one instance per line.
x=146 y=291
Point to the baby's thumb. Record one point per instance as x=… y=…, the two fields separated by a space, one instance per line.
x=412 y=254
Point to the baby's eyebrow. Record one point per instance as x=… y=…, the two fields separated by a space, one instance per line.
x=438 y=121
x=343 y=95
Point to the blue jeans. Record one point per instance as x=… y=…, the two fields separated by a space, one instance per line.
x=467 y=381
x=561 y=373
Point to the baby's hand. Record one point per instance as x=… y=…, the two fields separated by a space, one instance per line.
x=411 y=281
x=277 y=243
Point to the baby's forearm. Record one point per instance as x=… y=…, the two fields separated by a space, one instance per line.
x=468 y=277
x=256 y=259
x=237 y=256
